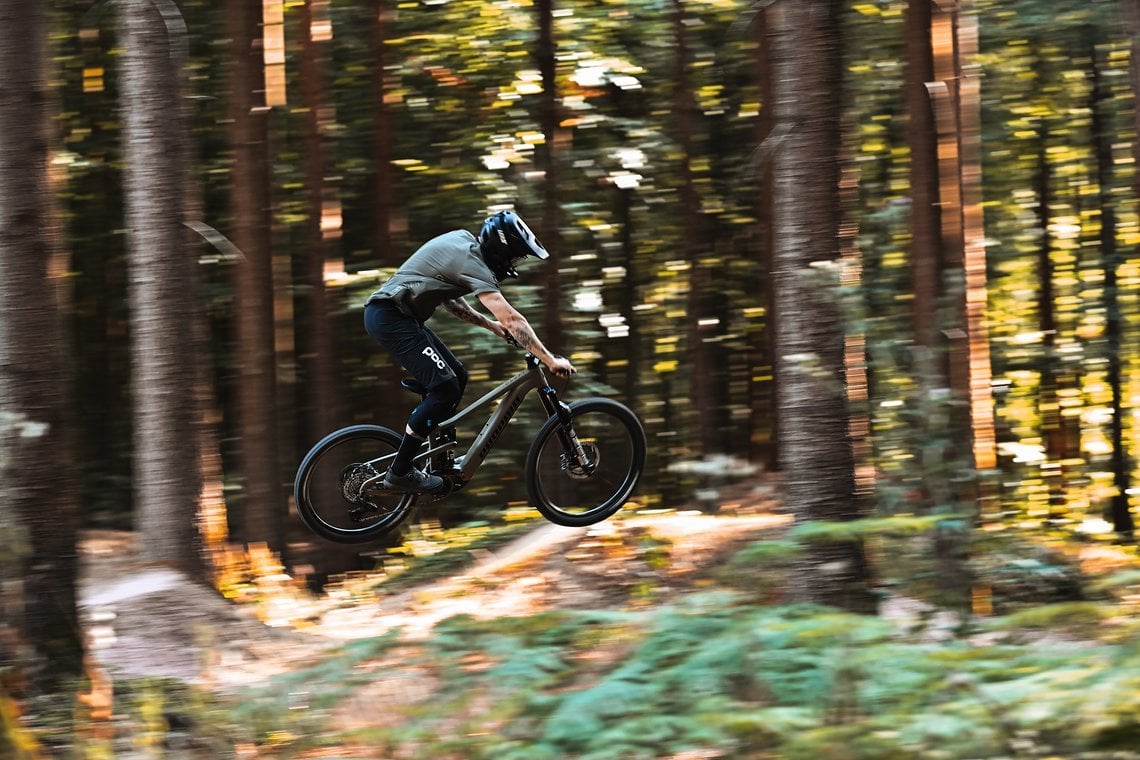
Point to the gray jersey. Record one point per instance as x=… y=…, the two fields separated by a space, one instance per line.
x=444 y=268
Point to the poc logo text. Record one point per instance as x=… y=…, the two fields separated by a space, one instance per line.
x=430 y=353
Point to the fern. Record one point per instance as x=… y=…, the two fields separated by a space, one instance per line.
x=716 y=674
x=765 y=553
x=821 y=532
x=1121 y=581
x=584 y=713
x=1073 y=617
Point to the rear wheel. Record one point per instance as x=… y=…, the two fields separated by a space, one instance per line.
x=571 y=492
x=335 y=488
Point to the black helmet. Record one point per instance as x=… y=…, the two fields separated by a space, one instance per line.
x=506 y=240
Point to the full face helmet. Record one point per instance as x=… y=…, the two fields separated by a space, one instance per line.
x=505 y=240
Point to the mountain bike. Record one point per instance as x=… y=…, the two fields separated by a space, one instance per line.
x=582 y=467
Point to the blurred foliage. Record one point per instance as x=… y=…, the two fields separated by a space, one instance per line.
x=732 y=670
x=720 y=669
x=705 y=673
x=463 y=97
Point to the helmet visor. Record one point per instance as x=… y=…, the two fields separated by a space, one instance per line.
x=533 y=246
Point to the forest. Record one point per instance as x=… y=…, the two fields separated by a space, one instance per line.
x=866 y=271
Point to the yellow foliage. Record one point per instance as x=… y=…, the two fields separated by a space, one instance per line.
x=13 y=737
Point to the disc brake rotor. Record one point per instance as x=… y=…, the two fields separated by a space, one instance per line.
x=579 y=471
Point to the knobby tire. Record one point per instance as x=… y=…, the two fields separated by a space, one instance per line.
x=564 y=496
x=317 y=490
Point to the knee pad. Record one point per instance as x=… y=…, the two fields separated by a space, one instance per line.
x=436 y=407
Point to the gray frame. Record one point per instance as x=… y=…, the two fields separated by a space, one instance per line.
x=513 y=392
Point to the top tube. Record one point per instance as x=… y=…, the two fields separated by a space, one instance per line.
x=533 y=366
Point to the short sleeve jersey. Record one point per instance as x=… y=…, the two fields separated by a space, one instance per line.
x=444 y=268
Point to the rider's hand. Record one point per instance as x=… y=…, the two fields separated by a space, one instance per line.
x=561 y=366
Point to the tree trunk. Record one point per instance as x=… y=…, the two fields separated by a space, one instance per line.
x=319 y=357
x=816 y=455
x=1132 y=17
x=212 y=522
x=318 y=394
x=926 y=244
x=763 y=403
x=974 y=254
x=629 y=296
x=955 y=101
x=927 y=276
x=700 y=369
x=166 y=483
x=1049 y=400
x=1122 y=521
x=957 y=104
x=762 y=345
x=381 y=139
x=38 y=506
x=262 y=499
x=944 y=102
x=548 y=229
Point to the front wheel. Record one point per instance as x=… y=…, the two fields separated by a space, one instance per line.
x=335 y=485
x=568 y=491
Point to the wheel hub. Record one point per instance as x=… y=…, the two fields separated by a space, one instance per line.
x=579 y=470
x=352 y=480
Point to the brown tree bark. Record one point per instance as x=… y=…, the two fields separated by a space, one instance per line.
x=1131 y=14
x=957 y=106
x=816 y=455
x=39 y=623
x=927 y=257
x=701 y=371
x=763 y=404
x=548 y=228
x=628 y=297
x=955 y=99
x=976 y=307
x=926 y=242
x=319 y=358
x=1100 y=95
x=381 y=139
x=1053 y=425
x=318 y=395
x=943 y=91
x=263 y=497
x=166 y=477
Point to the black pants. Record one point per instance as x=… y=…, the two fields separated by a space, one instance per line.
x=422 y=353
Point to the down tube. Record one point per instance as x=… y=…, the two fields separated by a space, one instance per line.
x=495 y=426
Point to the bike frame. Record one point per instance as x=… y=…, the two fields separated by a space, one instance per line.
x=512 y=391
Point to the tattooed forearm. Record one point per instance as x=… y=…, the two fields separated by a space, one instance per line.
x=525 y=336
x=460 y=309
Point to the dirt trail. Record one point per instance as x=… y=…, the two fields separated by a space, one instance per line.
x=153 y=621
x=532 y=574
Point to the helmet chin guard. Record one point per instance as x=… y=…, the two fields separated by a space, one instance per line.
x=505 y=239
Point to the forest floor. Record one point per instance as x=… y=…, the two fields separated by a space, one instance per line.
x=451 y=654
x=151 y=621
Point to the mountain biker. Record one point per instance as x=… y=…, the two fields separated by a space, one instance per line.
x=441 y=273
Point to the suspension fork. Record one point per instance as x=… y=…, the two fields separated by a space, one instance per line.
x=566 y=435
